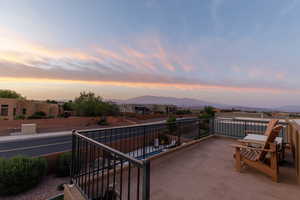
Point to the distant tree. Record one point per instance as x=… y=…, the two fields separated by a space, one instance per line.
x=88 y=104
x=10 y=94
x=68 y=106
x=183 y=112
x=171 y=122
x=51 y=101
x=209 y=112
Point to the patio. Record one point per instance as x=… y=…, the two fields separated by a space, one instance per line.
x=195 y=169
x=206 y=171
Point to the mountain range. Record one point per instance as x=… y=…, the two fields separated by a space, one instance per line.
x=196 y=103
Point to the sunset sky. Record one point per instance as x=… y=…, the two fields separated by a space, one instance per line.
x=231 y=52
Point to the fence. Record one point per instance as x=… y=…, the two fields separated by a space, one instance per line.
x=238 y=128
x=146 y=140
x=103 y=173
x=112 y=163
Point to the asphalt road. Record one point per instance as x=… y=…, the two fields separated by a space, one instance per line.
x=42 y=145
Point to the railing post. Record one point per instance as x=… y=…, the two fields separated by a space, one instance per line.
x=73 y=164
x=180 y=127
x=144 y=146
x=199 y=128
x=245 y=128
x=212 y=126
x=146 y=180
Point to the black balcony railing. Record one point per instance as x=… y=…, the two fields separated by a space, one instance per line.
x=238 y=128
x=103 y=173
x=113 y=163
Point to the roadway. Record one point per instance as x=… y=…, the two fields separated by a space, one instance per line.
x=41 y=144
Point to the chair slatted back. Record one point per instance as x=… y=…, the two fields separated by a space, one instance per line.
x=272 y=123
x=270 y=139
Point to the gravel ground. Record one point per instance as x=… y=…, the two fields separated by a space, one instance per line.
x=45 y=189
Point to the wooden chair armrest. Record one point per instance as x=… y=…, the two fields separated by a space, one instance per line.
x=251 y=141
x=251 y=148
x=252 y=131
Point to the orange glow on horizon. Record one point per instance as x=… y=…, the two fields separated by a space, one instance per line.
x=183 y=86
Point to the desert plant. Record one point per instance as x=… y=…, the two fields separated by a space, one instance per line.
x=64 y=164
x=20 y=173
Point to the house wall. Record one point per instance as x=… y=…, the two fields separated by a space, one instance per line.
x=31 y=107
x=12 y=103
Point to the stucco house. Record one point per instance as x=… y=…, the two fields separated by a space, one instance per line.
x=13 y=108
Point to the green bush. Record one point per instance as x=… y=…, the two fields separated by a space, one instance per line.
x=183 y=112
x=90 y=105
x=171 y=122
x=205 y=116
x=20 y=173
x=103 y=121
x=64 y=164
x=20 y=117
x=38 y=115
x=163 y=139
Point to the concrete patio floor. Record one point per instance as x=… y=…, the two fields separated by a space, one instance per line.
x=206 y=171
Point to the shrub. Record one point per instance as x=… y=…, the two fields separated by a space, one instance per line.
x=20 y=117
x=183 y=112
x=64 y=164
x=163 y=139
x=209 y=110
x=38 y=115
x=102 y=121
x=171 y=122
x=20 y=173
x=90 y=105
x=205 y=116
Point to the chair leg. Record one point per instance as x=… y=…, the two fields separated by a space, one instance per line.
x=283 y=152
x=238 y=160
x=274 y=166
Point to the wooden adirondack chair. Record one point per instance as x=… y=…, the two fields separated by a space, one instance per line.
x=256 y=157
x=272 y=123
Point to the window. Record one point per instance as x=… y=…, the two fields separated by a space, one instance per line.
x=24 y=111
x=4 y=110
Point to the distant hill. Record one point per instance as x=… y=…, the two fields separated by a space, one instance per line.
x=184 y=102
x=291 y=108
x=196 y=103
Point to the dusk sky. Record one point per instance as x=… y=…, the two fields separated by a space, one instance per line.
x=227 y=51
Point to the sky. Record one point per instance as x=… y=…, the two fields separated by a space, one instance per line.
x=226 y=51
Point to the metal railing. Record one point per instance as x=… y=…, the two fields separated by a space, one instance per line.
x=109 y=164
x=238 y=128
x=103 y=173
